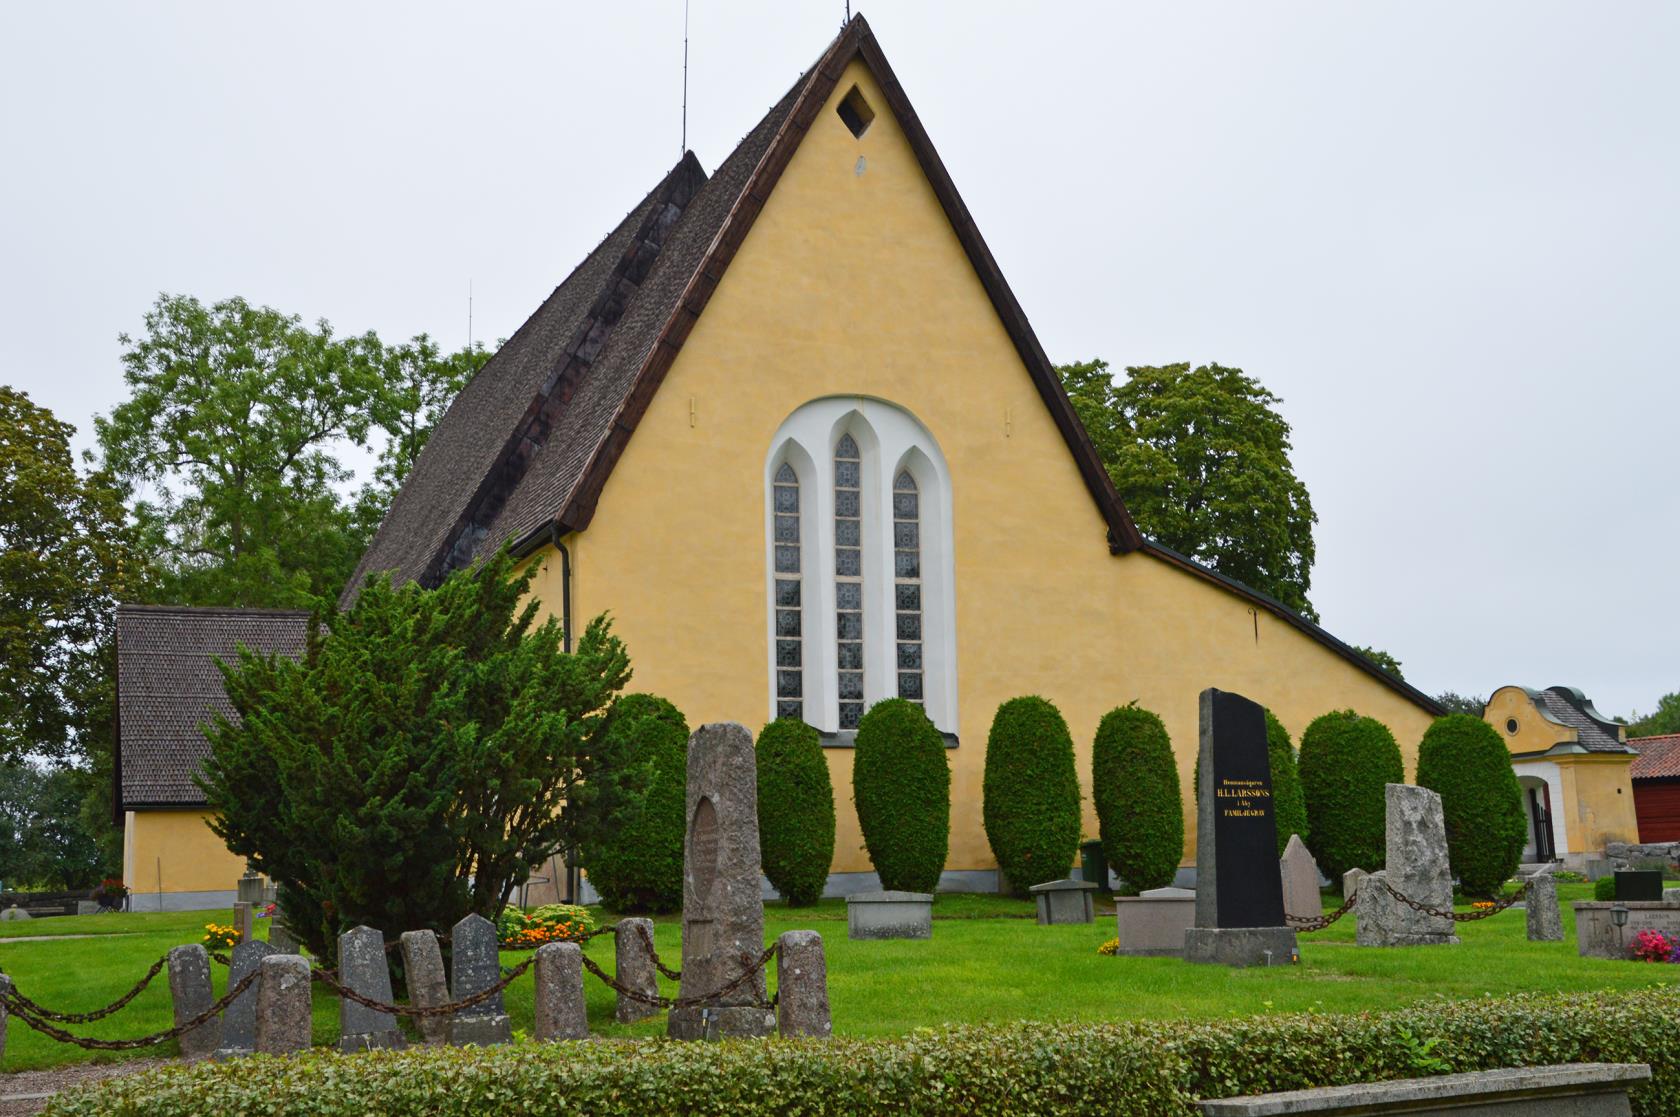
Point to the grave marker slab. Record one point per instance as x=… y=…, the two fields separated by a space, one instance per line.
x=1545 y=917
x=244 y=921
x=1239 y=891
x=239 y=1019
x=802 y=986
x=723 y=908
x=1299 y=872
x=475 y=966
x=284 y=1019
x=559 y=997
x=1063 y=901
x=191 y=993
x=362 y=966
x=427 y=986
x=633 y=961
x=1417 y=869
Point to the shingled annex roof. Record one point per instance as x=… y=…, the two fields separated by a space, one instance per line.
x=1658 y=759
x=168 y=686
x=1568 y=707
x=523 y=453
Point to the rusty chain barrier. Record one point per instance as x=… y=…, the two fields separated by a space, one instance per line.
x=1306 y=925
x=44 y=1013
x=326 y=977
x=753 y=966
x=12 y=1000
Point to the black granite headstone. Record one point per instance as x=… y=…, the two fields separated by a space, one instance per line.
x=1639 y=885
x=1236 y=795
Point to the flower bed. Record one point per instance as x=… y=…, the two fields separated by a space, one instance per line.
x=527 y=930
x=1130 y=1068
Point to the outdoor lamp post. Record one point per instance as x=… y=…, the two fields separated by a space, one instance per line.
x=1619 y=916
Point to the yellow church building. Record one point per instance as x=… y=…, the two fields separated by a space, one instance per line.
x=789 y=425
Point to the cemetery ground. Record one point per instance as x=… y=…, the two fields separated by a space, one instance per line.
x=988 y=962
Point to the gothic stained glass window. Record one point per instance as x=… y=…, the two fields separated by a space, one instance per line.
x=790 y=681
x=848 y=579
x=907 y=585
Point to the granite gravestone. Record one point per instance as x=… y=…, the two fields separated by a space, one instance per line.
x=192 y=995
x=723 y=908
x=362 y=967
x=1301 y=898
x=239 y=1019
x=427 y=986
x=1545 y=918
x=633 y=954
x=1239 y=892
x=1417 y=869
x=475 y=966
x=561 y=1013
x=283 y=1014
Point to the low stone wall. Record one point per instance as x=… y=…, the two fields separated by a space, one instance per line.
x=1625 y=855
x=1596 y=933
x=1563 y=1090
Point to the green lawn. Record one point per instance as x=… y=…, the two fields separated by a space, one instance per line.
x=988 y=961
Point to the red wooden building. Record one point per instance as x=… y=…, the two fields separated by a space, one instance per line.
x=1656 y=787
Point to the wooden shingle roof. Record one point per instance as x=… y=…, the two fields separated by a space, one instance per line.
x=168 y=688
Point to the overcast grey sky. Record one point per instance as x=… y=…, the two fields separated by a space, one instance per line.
x=1444 y=233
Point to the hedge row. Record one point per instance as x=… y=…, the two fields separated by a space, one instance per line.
x=1127 y=1068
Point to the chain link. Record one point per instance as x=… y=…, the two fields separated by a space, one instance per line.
x=44 y=1013
x=1319 y=923
x=1308 y=924
x=325 y=977
x=752 y=967
x=12 y=1001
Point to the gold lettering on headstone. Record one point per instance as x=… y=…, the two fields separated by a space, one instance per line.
x=1250 y=796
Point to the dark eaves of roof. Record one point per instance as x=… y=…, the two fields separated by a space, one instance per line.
x=1295 y=620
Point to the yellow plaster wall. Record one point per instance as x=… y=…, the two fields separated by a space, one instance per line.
x=1598 y=793
x=856 y=284
x=191 y=858
x=1535 y=733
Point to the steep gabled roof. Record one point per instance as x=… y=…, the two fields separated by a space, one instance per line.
x=1658 y=759
x=1568 y=706
x=168 y=687
x=529 y=444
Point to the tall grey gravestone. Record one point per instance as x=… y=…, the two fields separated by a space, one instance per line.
x=427 y=986
x=1301 y=898
x=633 y=951
x=1545 y=918
x=723 y=909
x=239 y=1019
x=191 y=994
x=363 y=967
x=1417 y=868
x=1239 y=891
x=475 y=966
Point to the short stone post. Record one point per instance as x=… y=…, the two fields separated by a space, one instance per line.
x=474 y=967
x=1545 y=919
x=633 y=968
x=280 y=936
x=362 y=967
x=239 y=1019
x=427 y=986
x=1351 y=881
x=561 y=1013
x=191 y=992
x=802 y=986
x=283 y=1016
x=244 y=921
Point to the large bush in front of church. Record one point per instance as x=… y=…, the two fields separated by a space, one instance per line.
x=1346 y=761
x=1464 y=761
x=795 y=810
x=1134 y=783
x=636 y=861
x=1289 y=806
x=427 y=751
x=1030 y=792
x=901 y=786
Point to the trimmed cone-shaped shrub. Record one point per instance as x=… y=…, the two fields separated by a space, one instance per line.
x=901 y=785
x=1463 y=760
x=795 y=810
x=1288 y=806
x=637 y=863
x=1346 y=760
x=1030 y=794
x=1134 y=782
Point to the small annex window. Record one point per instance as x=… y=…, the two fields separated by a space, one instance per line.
x=790 y=627
x=855 y=111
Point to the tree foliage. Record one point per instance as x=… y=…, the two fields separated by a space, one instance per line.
x=229 y=442
x=1289 y=806
x=1664 y=719
x=1134 y=783
x=429 y=749
x=1030 y=792
x=795 y=810
x=1382 y=659
x=635 y=861
x=1201 y=458
x=43 y=841
x=1464 y=760
x=65 y=559
x=1346 y=763
x=1455 y=703
x=901 y=786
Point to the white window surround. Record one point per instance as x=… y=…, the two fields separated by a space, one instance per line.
x=891 y=441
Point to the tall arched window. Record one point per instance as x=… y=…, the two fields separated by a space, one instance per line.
x=860 y=566
x=848 y=579
x=907 y=585
x=790 y=627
